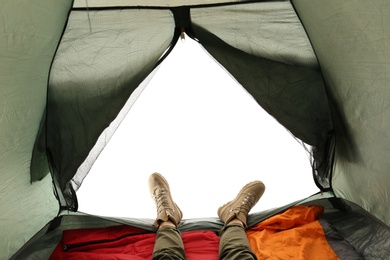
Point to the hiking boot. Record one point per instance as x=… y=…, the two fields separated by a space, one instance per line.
x=245 y=200
x=166 y=207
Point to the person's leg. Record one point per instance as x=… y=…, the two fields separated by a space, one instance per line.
x=234 y=243
x=168 y=244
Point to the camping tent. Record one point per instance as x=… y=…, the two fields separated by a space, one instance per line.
x=321 y=68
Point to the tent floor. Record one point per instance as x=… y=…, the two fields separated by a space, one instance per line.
x=369 y=237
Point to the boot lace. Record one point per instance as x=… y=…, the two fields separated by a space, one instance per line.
x=246 y=204
x=160 y=198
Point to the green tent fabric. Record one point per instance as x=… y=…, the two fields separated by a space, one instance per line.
x=351 y=43
x=320 y=68
x=28 y=42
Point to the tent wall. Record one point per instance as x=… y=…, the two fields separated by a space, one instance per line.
x=351 y=40
x=29 y=35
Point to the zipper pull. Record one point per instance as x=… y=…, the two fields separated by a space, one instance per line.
x=182 y=34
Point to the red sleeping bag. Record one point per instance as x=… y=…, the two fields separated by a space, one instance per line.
x=125 y=242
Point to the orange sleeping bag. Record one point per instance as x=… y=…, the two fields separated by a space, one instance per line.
x=294 y=234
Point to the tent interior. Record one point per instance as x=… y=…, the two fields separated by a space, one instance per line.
x=70 y=71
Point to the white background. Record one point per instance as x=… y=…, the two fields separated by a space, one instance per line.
x=200 y=129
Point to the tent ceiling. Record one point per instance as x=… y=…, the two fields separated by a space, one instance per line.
x=159 y=3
